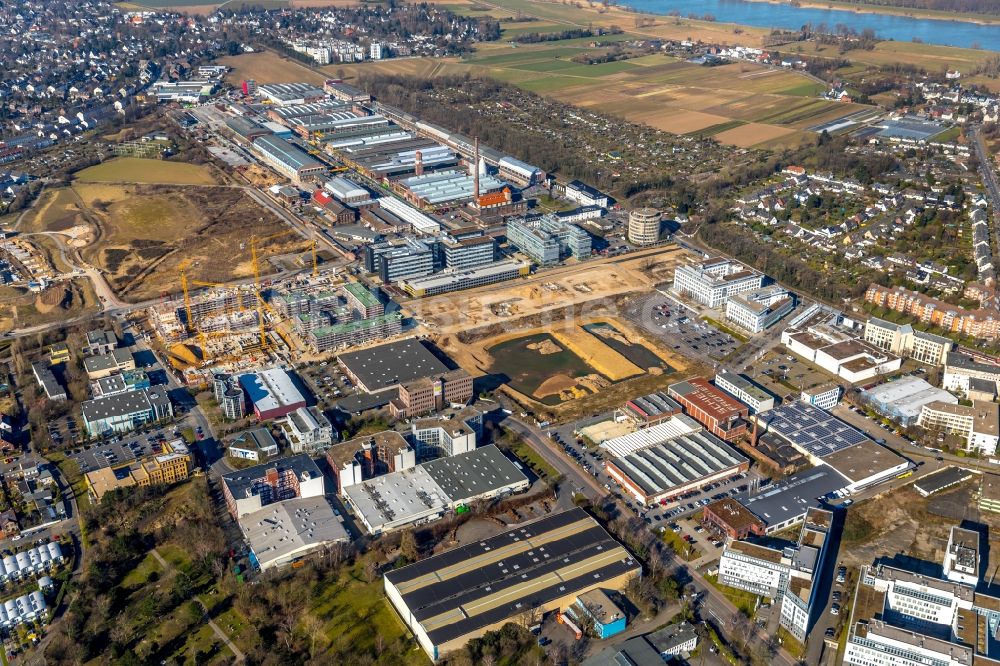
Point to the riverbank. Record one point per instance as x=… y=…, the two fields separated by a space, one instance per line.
x=909 y=12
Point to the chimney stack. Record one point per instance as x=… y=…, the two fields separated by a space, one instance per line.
x=475 y=173
x=418 y=166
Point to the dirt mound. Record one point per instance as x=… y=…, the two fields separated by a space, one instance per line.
x=54 y=297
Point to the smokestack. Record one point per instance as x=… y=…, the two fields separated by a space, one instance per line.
x=418 y=166
x=753 y=437
x=475 y=173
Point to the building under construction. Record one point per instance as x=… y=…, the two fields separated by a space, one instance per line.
x=212 y=310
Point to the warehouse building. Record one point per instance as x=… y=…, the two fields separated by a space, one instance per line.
x=744 y=390
x=713 y=281
x=903 y=399
x=945 y=478
x=428 y=491
x=733 y=519
x=289 y=94
x=518 y=172
x=286 y=159
x=815 y=337
x=867 y=464
x=448 y=599
x=672 y=467
x=447 y=187
x=346 y=190
x=272 y=392
x=662 y=430
x=786 y=502
x=447 y=281
x=284 y=114
x=280 y=534
x=547 y=240
x=721 y=414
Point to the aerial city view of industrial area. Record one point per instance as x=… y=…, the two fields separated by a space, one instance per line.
x=500 y=332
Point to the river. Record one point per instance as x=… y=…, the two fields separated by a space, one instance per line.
x=886 y=26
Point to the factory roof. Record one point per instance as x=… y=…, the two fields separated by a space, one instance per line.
x=864 y=461
x=308 y=109
x=481 y=584
x=298 y=525
x=794 y=495
x=286 y=152
x=241 y=482
x=674 y=427
x=678 y=462
x=430 y=488
x=451 y=185
x=733 y=513
x=809 y=428
x=392 y=364
x=653 y=406
x=270 y=389
x=284 y=92
x=342 y=188
x=419 y=221
x=707 y=398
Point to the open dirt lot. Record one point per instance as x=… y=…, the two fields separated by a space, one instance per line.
x=138 y=235
x=137 y=170
x=62 y=301
x=549 y=290
x=752 y=134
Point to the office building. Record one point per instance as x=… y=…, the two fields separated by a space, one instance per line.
x=824 y=396
x=249 y=490
x=307 y=430
x=585 y=195
x=448 y=434
x=547 y=240
x=47 y=380
x=757 y=310
x=460 y=594
x=468 y=252
x=418 y=380
x=720 y=414
x=674 y=640
x=103 y=365
x=713 y=281
x=744 y=390
x=787 y=574
x=447 y=281
x=595 y=607
x=644 y=226
x=903 y=340
x=126 y=411
x=395 y=261
x=171 y=465
x=978 y=424
x=901 y=617
x=369 y=456
x=960 y=370
x=840 y=353
x=733 y=519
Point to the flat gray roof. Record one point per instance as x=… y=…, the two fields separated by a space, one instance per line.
x=794 y=495
x=295 y=526
x=392 y=364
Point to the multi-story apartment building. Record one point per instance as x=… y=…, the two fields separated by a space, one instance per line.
x=251 y=489
x=757 y=310
x=903 y=340
x=547 y=239
x=307 y=430
x=171 y=465
x=960 y=371
x=786 y=574
x=713 y=281
x=978 y=423
x=982 y=323
x=363 y=301
x=355 y=332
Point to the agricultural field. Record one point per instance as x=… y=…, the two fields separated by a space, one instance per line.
x=268 y=67
x=137 y=170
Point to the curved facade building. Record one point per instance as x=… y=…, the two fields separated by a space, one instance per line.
x=644 y=226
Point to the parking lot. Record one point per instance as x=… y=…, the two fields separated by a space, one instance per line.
x=124 y=449
x=786 y=375
x=327 y=383
x=681 y=328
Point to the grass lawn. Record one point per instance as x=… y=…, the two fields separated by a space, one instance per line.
x=531 y=458
x=790 y=643
x=680 y=546
x=138 y=170
x=354 y=612
x=745 y=602
x=949 y=134
x=138 y=576
x=808 y=89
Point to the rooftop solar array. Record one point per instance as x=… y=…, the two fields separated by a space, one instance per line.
x=811 y=429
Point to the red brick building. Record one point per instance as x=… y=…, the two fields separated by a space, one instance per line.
x=734 y=519
x=723 y=416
